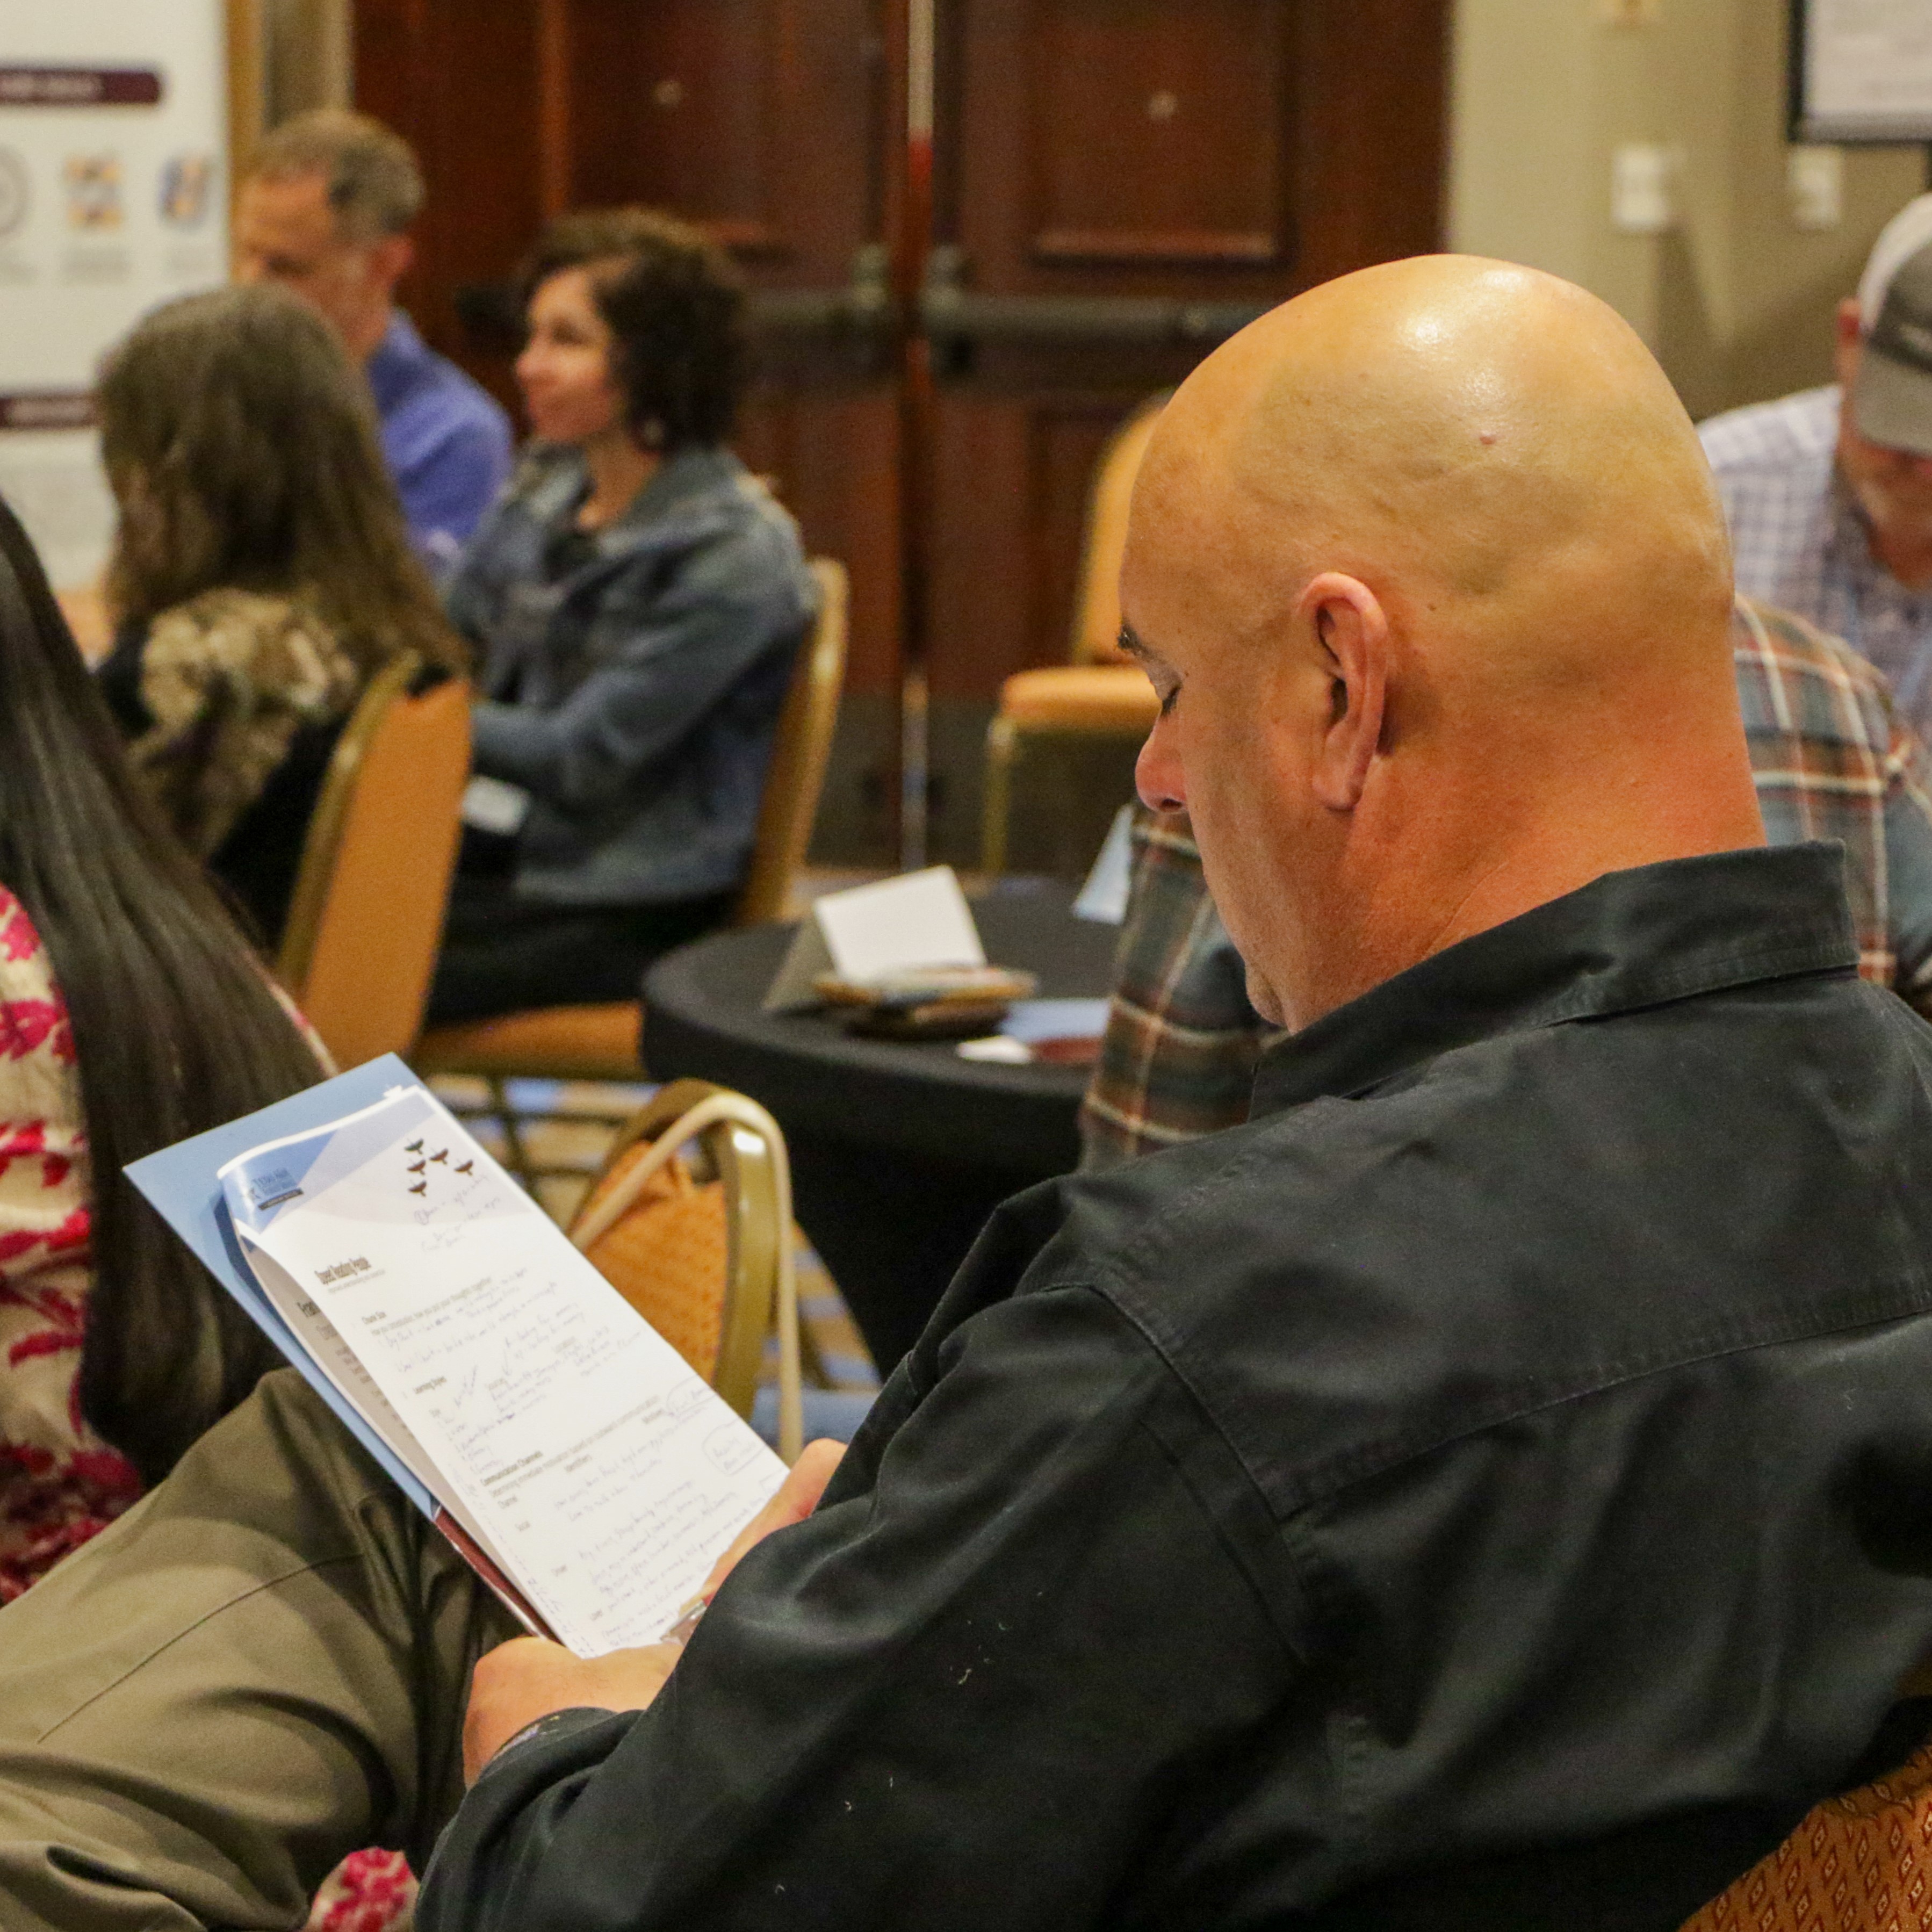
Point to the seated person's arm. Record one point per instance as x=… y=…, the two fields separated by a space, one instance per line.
x=522 y=1681
x=1908 y=851
x=662 y=664
x=453 y=484
x=893 y=1711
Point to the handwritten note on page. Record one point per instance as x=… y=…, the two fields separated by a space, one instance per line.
x=598 y=1470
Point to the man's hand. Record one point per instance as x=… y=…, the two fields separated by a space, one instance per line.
x=527 y=1678
x=792 y=1502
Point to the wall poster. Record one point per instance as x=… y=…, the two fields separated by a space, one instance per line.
x=113 y=198
x=1861 y=70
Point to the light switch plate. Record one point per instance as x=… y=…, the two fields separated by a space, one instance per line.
x=1814 y=179
x=1643 y=188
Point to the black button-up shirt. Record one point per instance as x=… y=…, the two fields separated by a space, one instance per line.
x=1492 y=1488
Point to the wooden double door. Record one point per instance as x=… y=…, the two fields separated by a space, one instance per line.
x=1113 y=185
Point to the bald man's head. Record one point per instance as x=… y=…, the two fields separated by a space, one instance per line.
x=1432 y=560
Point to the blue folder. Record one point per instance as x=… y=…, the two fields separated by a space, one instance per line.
x=181 y=1183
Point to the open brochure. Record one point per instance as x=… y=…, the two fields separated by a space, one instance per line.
x=570 y=1454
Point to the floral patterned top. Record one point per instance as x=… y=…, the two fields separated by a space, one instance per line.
x=59 y=1482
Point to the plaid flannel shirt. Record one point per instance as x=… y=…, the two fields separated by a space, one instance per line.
x=1801 y=542
x=1832 y=759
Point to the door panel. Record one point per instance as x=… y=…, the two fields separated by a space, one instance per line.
x=456 y=81
x=763 y=119
x=1153 y=133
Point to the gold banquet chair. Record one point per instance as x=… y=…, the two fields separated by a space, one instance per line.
x=1860 y=1862
x=701 y=1249
x=600 y=1042
x=367 y=914
x=1101 y=695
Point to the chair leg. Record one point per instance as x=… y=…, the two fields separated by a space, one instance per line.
x=811 y=1361
x=513 y=1138
x=1001 y=745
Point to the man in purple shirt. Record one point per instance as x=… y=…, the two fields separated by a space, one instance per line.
x=326 y=212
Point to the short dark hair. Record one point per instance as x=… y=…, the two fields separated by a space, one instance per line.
x=676 y=305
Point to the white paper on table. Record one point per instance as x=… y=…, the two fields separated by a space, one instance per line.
x=1103 y=898
x=918 y=919
x=594 y=1466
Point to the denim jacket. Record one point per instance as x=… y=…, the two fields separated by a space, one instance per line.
x=635 y=698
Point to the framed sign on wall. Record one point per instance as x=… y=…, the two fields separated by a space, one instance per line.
x=1861 y=70
x=114 y=185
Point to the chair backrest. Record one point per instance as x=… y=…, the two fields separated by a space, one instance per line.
x=367 y=916
x=1858 y=1862
x=799 y=754
x=1097 y=609
x=707 y=1262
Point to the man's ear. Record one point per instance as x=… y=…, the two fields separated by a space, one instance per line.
x=1352 y=631
x=1848 y=339
x=391 y=259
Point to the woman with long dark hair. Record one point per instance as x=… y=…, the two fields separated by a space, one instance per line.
x=261 y=575
x=636 y=599
x=132 y=1015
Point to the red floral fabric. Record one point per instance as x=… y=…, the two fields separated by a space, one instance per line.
x=59 y=1483
x=369 y=1891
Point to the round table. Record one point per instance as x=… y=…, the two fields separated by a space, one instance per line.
x=899 y=1149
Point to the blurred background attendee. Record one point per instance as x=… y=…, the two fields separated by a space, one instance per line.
x=1828 y=493
x=1831 y=758
x=132 y=1014
x=325 y=212
x=261 y=575
x=637 y=600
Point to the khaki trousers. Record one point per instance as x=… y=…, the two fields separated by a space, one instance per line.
x=260 y=1668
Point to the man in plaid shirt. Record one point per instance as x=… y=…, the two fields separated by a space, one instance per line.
x=1832 y=759
x=1828 y=493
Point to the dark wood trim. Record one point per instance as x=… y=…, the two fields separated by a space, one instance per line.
x=1192 y=246
x=246 y=83
x=555 y=190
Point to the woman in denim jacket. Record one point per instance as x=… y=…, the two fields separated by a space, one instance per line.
x=636 y=599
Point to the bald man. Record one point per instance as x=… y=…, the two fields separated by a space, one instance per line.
x=1486 y=1490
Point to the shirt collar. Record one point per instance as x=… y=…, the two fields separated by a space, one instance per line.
x=678 y=484
x=399 y=359
x=1631 y=939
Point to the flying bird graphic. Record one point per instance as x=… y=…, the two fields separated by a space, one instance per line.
x=415 y=1147
x=421 y=1187
x=417 y=1166
x=443 y=1155
x=465 y=1167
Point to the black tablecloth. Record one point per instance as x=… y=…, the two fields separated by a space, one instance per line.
x=899 y=1149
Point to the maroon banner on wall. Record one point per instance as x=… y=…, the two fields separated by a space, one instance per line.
x=80 y=87
x=53 y=409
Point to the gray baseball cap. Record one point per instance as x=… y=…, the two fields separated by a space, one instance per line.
x=1892 y=399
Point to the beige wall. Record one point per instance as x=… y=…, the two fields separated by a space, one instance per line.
x=1737 y=302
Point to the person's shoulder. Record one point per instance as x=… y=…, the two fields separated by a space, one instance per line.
x=1794 y=432
x=223 y=622
x=471 y=407
x=420 y=388
x=1356 y=1277
x=276 y=641
x=733 y=536
x=1797 y=683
